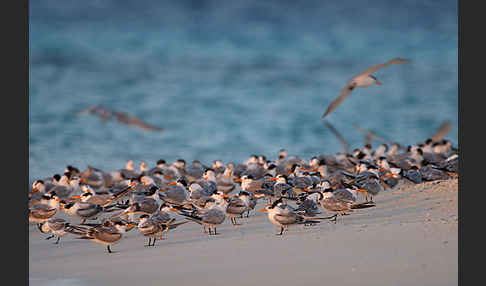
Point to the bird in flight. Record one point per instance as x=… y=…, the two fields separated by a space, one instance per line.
x=360 y=80
x=106 y=114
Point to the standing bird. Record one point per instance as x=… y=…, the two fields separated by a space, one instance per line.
x=363 y=79
x=282 y=215
x=236 y=207
x=340 y=201
x=210 y=217
x=55 y=225
x=107 y=233
x=153 y=228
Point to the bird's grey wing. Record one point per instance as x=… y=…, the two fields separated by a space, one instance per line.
x=42 y=211
x=334 y=204
x=371 y=135
x=442 y=131
x=56 y=223
x=286 y=218
x=213 y=216
x=174 y=225
x=89 y=211
x=343 y=195
x=149 y=228
x=377 y=67
x=108 y=235
x=134 y=121
x=342 y=96
x=91 y=109
x=338 y=136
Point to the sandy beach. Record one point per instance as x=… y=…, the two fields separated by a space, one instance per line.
x=409 y=238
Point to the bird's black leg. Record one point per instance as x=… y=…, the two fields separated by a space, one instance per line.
x=109 y=250
x=153 y=243
x=209 y=230
x=281 y=231
x=57 y=241
x=47 y=238
x=215 y=231
x=150 y=240
x=335 y=218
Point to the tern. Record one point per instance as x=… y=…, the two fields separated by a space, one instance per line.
x=152 y=228
x=282 y=215
x=340 y=201
x=43 y=211
x=83 y=210
x=57 y=226
x=236 y=207
x=211 y=217
x=363 y=79
x=107 y=233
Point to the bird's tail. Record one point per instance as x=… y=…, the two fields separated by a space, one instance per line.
x=174 y=225
x=197 y=220
x=363 y=206
x=307 y=221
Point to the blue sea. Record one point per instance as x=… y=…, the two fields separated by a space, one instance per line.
x=228 y=79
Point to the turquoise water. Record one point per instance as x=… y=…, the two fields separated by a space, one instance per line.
x=228 y=79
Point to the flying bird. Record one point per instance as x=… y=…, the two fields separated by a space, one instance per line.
x=442 y=131
x=108 y=114
x=360 y=80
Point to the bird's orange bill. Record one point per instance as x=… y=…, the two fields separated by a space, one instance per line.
x=263 y=210
x=75 y=197
x=174 y=210
x=132 y=184
x=83 y=179
x=362 y=190
x=383 y=170
x=172 y=183
x=130 y=226
x=271 y=179
x=226 y=196
x=307 y=190
x=58 y=199
x=34 y=190
x=237 y=180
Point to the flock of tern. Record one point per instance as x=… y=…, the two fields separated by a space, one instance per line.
x=104 y=205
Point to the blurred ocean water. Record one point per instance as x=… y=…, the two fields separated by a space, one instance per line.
x=227 y=79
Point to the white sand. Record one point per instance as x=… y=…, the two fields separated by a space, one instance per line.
x=410 y=238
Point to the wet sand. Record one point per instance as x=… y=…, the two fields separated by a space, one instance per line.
x=409 y=238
